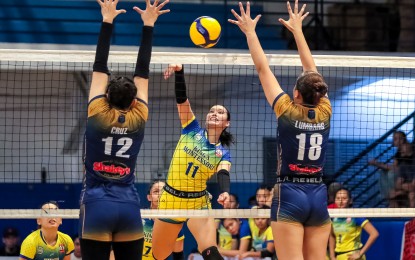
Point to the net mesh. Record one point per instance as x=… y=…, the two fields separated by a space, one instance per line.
x=44 y=100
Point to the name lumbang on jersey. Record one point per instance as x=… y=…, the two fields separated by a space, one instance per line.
x=309 y=126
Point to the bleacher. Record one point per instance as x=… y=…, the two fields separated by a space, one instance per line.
x=77 y=22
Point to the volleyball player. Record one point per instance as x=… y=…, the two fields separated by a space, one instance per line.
x=345 y=239
x=153 y=197
x=47 y=242
x=200 y=153
x=117 y=113
x=299 y=215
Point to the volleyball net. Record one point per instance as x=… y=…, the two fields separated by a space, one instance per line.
x=44 y=96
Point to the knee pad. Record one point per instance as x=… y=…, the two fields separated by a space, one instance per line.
x=211 y=253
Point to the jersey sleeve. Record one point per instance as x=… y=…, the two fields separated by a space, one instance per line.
x=268 y=235
x=244 y=231
x=28 y=248
x=70 y=247
x=361 y=221
x=191 y=126
x=281 y=103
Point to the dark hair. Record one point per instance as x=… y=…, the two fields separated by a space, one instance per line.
x=152 y=184
x=235 y=196
x=226 y=138
x=263 y=187
x=311 y=86
x=121 y=92
x=402 y=134
x=349 y=194
x=48 y=202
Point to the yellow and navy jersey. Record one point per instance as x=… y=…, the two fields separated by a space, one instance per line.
x=224 y=237
x=148 y=238
x=348 y=233
x=112 y=142
x=35 y=247
x=195 y=159
x=302 y=135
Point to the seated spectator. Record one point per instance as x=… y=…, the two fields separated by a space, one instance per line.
x=400 y=192
x=224 y=238
x=241 y=237
x=76 y=255
x=11 y=242
x=264 y=195
x=262 y=239
x=403 y=193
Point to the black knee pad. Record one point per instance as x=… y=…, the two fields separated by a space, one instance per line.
x=211 y=253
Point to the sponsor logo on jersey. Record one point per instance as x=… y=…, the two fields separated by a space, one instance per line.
x=62 y=248
x=198 y=137
x=218 y=152
x=39 y=250
x=305 y=170
x=111 y=169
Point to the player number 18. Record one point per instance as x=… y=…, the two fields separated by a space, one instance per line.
x=314 y=152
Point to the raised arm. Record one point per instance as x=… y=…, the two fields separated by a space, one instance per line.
x=100 y=68
x=294 y=25
x=142 y=69
x=183 y=104
x=247 y=25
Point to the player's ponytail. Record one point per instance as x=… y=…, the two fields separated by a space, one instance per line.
x=226 y=138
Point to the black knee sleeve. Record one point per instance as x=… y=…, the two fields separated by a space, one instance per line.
x=211 y=253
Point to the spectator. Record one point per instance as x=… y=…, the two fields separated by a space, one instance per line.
x=224 y=237
x=264 y=195
x=11 y=242
x=76 y=255
x=400 y=192
x=332 y=190
x=345 y=238
x=262 y=239
x=241 y=237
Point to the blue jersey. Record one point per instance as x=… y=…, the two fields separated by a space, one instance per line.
x=112 y=142
x=303 y=134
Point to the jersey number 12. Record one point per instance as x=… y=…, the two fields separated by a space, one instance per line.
x=125 y=142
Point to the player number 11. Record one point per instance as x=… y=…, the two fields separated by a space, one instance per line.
x=195 y=168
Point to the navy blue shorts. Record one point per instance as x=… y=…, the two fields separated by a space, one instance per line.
x=300 y=203
x=110 y=221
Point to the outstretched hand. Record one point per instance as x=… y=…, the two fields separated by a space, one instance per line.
x=244 y=20
x=171 y=69
x=296 y=18
x=109 y=10
x=152 y=11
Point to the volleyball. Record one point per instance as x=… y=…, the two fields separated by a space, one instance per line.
x=205 y=32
